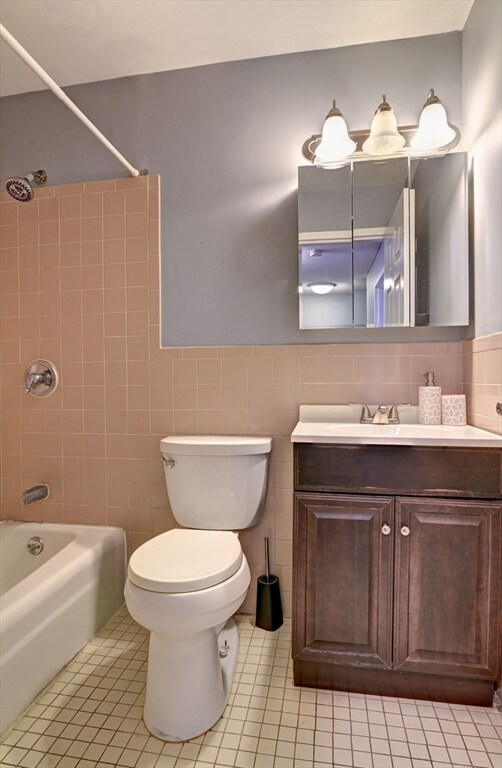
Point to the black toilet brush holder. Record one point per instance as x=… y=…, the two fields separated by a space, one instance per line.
x=268 y=598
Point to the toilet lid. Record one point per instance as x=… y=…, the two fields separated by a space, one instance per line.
x=185 y=560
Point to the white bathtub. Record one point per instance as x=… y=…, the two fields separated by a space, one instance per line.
x=51 y=604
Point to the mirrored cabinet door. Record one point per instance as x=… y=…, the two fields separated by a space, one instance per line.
x=381 y=244
x=439 y=221
x=325 y=248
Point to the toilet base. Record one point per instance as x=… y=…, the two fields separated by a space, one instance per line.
x=189 y=682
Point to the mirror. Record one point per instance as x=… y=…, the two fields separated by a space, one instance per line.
x=384 y=243
x=325 y=248
x=381 y=243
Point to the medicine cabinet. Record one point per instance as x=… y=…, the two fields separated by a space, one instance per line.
x=384 y=244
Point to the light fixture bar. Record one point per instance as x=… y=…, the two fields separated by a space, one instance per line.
x=408 y=131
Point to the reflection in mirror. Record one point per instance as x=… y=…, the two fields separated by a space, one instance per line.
x=325 y=247
x=381 y=243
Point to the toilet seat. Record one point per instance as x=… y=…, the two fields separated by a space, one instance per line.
x=184 y=560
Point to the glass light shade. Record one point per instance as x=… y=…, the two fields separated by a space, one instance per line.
x=321 y=288
x=336 y=143
x=433 y=129
x=384 y=138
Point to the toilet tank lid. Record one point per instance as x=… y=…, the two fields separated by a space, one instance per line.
x=214 y=445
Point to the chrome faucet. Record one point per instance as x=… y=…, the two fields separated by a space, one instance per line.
x=37 y=493
x=382 y=415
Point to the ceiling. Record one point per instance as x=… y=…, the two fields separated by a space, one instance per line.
x=80 y=41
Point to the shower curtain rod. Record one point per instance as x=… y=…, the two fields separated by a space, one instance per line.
x=54 y=87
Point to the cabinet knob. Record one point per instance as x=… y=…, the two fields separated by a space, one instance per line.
x=405 y=531
x=385 y=529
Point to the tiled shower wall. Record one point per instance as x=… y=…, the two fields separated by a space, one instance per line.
x=79 y=286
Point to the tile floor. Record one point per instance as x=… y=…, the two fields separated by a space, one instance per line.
x=90 y=717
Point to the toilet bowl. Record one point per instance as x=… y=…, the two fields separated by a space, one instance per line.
x=185 y=585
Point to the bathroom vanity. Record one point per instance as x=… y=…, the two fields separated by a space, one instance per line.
x=397 y=559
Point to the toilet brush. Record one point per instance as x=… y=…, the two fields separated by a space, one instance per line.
x=268 y=598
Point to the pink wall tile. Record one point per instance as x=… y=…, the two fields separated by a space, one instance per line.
x=136 y=248
x=114 y=226
x=48 y=209
x=185 y=372
x=114 y=202
x=136 y=200
x=234 y=371
x=70 y=206
x=210 y=397
x=115 y=323
x=70 y=230
x=100 y=186
x=28 y=257
x=9 y=213
x=92 y=204
x=28 y=212
x=209 y=371
x=48 y=232
x=482 y=376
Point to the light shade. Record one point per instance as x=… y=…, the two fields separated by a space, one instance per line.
x=433 y=129
x=384 y=138
x=336 y=143
x=321 y=288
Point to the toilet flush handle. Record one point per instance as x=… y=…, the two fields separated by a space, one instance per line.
x=168 y=462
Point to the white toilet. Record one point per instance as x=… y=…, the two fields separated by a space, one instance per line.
x=185 y=585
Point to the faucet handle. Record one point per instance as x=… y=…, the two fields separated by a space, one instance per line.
x=366 y=417
x=394 y=413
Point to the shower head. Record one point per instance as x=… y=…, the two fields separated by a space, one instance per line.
x=20 y=187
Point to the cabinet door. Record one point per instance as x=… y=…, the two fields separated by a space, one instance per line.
x=343 y=579
x=448 y=571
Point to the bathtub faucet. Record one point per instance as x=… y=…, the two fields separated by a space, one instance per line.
x=37 y=493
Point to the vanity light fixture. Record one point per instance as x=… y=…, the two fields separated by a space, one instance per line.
x=321 y=288
x=332 y=148
x=335 y=144
x=384 y=138
x=433 y=128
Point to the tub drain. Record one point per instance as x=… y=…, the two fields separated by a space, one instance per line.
x=35 y=545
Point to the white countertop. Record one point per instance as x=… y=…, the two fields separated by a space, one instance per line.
x=339 y=424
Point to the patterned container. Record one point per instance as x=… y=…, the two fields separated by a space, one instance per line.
x=429 y=405
x=453 y=410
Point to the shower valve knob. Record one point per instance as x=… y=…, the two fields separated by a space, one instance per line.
x=40 y=378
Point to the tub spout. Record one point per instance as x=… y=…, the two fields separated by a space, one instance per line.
x=37 y=493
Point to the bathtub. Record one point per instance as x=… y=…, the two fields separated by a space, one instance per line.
x=52 y=603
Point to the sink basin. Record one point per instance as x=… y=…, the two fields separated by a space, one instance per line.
x=336 y=424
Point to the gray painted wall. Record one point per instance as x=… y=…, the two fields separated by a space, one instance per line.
x=226 y=140
x=482 y=91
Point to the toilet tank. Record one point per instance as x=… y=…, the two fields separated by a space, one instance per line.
x=216 y=483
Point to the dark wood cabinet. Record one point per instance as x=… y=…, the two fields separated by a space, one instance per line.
x=397 y=595
x=344 y=575
x=447 y=587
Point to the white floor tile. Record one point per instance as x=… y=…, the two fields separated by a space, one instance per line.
x=90 y=716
